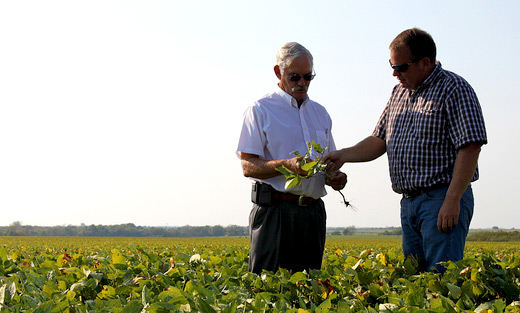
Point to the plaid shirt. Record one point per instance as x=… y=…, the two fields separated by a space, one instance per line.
x=424 y=129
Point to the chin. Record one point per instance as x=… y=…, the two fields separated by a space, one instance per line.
x=298 y=95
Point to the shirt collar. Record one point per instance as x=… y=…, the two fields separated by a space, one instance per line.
x=432 y=77
x=289 y=99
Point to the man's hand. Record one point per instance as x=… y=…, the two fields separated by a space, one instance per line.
x=334 y=160
x=448 y=216
x=294 y=165
x=337 y=181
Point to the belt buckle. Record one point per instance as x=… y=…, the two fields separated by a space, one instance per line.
x=300 y=201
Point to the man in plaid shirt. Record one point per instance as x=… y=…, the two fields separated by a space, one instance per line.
x=432 y=129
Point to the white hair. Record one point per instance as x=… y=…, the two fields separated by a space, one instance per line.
x=288 y=51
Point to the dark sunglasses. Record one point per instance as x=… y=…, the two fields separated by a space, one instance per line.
x=401 y=68
x=296 y=78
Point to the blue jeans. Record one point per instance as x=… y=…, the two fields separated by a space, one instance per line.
x=422 y=239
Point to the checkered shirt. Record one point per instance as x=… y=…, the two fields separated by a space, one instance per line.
x=424 y=129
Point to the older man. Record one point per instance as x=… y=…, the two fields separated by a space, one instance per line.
x=287 y=227
x=432 y=129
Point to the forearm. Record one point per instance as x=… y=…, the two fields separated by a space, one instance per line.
x=368 y=149
x=261 y=169
x=463 y=171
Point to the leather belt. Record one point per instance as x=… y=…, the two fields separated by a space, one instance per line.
x=420 y=191
x=289 y=197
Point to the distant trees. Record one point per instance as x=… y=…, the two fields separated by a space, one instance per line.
x=494 y=235
x=349 y=230
x=123 y=230
x=14 y=229
x=393 y=231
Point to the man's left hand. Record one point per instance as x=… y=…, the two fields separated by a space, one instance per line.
x=448 y=216
x=337 y=180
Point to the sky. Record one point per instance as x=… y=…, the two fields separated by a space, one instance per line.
x=116 y=112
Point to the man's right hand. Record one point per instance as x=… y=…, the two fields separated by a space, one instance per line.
x=334 y=160
x=368 y=149
x=294 y=165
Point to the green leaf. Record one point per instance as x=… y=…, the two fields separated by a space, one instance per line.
x=454 y=291
x=437 y=286
x=285 y=171
x=132 y=307
x=416 y=297
x=499 y=306
x=317 y=148
x=204 y=306
x=145 y=296
x=410 y=265
x=293 y=182
x=306 y=167
x=325 y=306
x=484 y=307
x=3 y=255
x=10 y=291
x=162 y=307
x=448 y=305
x=45 y=307
x=174 y=295
x=298 y=277
x=117 y=257
x=376 y=290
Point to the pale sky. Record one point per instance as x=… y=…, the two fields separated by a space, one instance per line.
x=118 y=112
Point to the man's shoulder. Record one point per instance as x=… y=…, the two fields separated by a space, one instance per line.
x=268 y=98
x=452 y=79
x=316 y=105
x=267 y=103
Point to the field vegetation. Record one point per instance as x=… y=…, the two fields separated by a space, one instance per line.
x=359 y=274
x=495 y=235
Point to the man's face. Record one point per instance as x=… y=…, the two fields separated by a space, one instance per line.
x=299 y=66
x=414 y=75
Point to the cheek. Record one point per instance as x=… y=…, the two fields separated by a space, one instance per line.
x=287 y=85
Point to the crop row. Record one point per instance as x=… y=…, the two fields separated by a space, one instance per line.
x=210 y=275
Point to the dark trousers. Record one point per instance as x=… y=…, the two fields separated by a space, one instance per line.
x=287 y=235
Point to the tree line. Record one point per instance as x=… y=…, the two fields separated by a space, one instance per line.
x=494 y=235
x=123 y=230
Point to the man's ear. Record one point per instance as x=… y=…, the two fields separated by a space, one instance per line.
x=425 y=63
x=278 y=72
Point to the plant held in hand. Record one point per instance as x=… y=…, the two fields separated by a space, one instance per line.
x=312 y=163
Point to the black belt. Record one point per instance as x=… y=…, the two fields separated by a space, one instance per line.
x=420 y=191
x=289 y=197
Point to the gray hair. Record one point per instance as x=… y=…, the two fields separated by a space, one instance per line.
x=288 y=51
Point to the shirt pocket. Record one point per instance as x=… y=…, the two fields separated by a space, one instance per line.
x=429 y=123
x=323 y=138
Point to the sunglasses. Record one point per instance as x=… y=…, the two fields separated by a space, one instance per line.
x=296 y=78
x=401 y=68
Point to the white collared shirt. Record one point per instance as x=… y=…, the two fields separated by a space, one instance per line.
x=274 y=127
